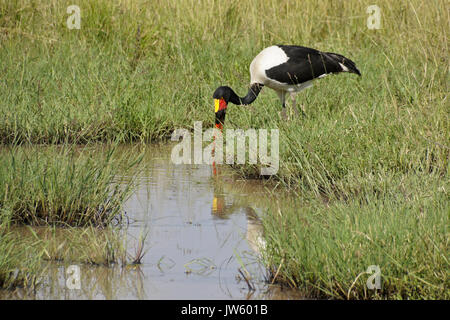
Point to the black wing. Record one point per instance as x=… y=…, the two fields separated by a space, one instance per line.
x=305 y=64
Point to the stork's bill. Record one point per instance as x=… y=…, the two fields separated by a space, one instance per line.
x=220 y=107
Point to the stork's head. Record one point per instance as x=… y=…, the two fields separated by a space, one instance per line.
x=221 y=98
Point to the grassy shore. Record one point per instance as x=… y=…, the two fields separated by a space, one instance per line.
x=60 y=185
x=325 y=249
x=70 y=198
x=369 y=161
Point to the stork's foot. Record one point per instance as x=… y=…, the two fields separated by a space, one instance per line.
x=302 y=108
x=283 y=114
x=295 y=108
x=300 y=112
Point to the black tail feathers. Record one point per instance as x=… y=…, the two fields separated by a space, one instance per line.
x=349 y=64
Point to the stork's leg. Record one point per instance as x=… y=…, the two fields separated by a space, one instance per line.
x=284 y=114
x=282 y=96
x=294 y=105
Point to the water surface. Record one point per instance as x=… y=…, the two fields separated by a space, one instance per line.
x=203 y=237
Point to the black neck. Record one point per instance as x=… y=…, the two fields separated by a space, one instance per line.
x=252 y=93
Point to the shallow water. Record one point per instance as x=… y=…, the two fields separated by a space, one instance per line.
x=203 y=236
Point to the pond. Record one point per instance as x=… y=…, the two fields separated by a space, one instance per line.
x=202 y=237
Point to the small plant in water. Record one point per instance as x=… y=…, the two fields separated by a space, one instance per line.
x=139 y=252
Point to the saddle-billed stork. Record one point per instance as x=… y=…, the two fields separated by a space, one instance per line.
x=285 y=69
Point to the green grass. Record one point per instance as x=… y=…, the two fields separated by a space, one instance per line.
x=107 y=81
x=71 y=199
x=19 y=261
x=375 y=146
x=89 y=245
x=26 y=252
x=324 y=249
x=62 y=186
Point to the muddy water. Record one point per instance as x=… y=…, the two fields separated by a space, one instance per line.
x=203 y=237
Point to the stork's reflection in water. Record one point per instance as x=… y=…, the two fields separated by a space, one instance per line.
x=223 y=207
